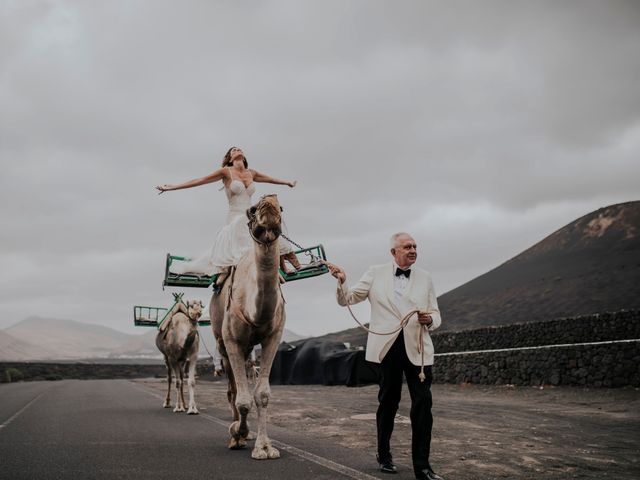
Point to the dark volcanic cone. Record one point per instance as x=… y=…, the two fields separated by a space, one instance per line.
x=591 y=265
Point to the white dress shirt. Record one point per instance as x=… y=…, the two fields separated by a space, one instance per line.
x=399 y=283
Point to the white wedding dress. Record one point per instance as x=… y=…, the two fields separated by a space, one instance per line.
x=232 y=241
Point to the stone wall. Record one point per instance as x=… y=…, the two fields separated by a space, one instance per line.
x=604 y=365
x=16 y=371
x=545 y=353
x=621 y=325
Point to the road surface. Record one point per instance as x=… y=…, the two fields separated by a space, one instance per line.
x=106 y=429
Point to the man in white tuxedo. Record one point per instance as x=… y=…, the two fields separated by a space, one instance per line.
x=394 y=289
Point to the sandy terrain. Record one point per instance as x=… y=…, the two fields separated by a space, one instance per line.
x=479 y=431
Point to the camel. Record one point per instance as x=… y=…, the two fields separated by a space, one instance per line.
x=250 y=311
x=179 y=341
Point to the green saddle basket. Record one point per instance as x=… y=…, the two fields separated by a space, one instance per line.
x=311 y=265
x=144 y=316
x=184 y=279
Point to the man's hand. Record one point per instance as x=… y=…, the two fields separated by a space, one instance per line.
x=425 y=319
x=337 y=272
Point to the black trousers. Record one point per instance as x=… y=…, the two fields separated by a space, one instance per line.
x=393 y=365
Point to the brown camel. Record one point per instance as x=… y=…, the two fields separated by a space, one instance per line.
x=179 y=341
x=250 y=311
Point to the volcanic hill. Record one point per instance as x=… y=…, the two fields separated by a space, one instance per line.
x=591 y=265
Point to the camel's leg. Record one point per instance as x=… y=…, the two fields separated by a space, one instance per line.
x=263 y=448
x=167 y=400
x=239 y=428
x=191 y=382
x=183 y=370
x=231 y=388
x=178 y=373
x=226 y=367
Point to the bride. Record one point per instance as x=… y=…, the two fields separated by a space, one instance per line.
x=233 y=240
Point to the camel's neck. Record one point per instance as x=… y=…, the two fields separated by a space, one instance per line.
x=267 y=262
x=267 y=259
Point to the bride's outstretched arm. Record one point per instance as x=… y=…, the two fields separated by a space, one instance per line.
x=262 y=178
x=196 y=182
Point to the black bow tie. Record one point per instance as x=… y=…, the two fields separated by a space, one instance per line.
x=406 y=273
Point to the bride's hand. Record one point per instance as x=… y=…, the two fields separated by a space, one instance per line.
x=292 y=184
x=163 y=188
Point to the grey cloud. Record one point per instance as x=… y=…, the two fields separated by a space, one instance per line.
x=479 y=127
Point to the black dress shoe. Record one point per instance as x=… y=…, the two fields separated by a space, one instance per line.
x=387 y=465
x=427 y=474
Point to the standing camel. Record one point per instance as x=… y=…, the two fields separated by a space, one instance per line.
x=179 y=342
x=250 y=311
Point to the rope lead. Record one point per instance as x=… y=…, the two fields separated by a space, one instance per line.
x=403 y=323
x=422 y=376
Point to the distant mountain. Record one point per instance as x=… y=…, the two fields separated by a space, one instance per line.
x=355 y=337
x=36 y=338
x=14 y=349
x=138 y=346
x=289 y=336
x=68 y=339
x=591 y=265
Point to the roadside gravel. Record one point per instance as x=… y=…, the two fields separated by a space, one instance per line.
x=479 y=431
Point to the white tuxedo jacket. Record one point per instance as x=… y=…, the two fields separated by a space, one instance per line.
x=386 y=313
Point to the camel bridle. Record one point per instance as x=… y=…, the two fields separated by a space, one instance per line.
x=263 y=208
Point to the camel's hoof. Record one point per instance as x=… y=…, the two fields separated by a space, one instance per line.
x=238 y=440
x=192 y=411
x=233 y=430
x=238 y=429
x=166 y=405
x=178 y=409
x=265 y=453
x=259 y=454
x=237 y=444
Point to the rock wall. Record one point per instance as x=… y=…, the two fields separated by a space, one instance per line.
x=17 y=371
x=545 y=352
x=605 y=365
x=621 y=325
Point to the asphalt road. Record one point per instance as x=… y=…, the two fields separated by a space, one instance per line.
x=116 y=429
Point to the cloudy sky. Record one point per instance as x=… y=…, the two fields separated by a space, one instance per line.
x=480 y=127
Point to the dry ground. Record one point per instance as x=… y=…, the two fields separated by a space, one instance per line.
x=479 y=431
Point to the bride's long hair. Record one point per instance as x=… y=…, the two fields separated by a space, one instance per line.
x=226 y=161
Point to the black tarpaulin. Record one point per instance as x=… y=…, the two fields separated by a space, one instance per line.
x=321 y=362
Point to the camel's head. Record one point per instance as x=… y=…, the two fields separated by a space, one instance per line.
x=264 y=220
x=194 y=307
